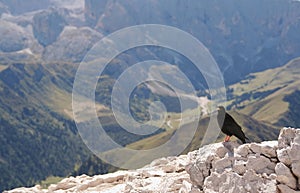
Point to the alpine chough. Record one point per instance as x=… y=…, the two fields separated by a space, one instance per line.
x=229 y=126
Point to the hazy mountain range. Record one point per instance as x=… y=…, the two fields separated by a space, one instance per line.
x=42 y=42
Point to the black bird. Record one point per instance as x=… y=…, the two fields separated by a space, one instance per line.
x=229 y=126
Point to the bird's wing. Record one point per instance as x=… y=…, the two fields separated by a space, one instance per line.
x=229 y=121
x=241 y=135
x=235 y=128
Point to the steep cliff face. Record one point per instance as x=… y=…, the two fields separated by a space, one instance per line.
x=13 y=37
x=243 y=36
x=72 y=45
x=17 y=7
x=269 y=167
x=93 y=10
x=47 y=25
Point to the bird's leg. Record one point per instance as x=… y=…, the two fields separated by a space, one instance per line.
x=227 y=138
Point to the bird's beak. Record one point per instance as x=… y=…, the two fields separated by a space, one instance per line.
x=214 y=112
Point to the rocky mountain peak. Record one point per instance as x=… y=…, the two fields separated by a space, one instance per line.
x=270 y=166
x=47 y=25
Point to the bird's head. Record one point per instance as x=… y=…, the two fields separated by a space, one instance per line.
x=221 y=109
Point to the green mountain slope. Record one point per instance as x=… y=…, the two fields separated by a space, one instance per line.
x=256 y=131
x=36 y=140
x=262 y=103
x=38 y=135
x=271 y=95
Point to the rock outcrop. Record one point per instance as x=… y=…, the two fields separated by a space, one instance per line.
x=12 y=37
x=270 y=167
x=17 y=7
x=266 y=167
x=93 y=10
x=47 y=26
x=162 y=175
x=232 y=24
x=72 y=45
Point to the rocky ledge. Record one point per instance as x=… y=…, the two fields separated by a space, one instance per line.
x=270 y=167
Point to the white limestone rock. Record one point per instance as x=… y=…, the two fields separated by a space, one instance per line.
x=285 y=189
x=254 y=167
x=283 y=156
x=239 y=166
x=214 y=154
x=285 y=176
x=294 y=152
x=198 y=172
x=286 y=139
x=296 y=170
x=221 y=164
x=268 y=148
x=267 y=167
x=260 y=164
x=159 y=162
x=232 y=182
x=255 y=148
x=243 y=150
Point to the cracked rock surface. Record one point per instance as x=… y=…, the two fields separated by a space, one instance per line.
x=267 y=167
x=271 y=166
